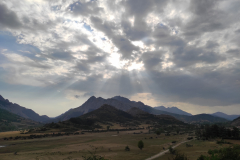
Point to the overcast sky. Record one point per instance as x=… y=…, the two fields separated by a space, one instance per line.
x=55 y=54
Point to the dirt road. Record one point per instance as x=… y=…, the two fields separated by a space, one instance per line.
x=163 y=152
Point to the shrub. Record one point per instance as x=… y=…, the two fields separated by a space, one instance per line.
x=127 y=148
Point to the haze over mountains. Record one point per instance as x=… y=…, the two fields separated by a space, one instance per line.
x=173 y=110
x=118 y=102
x=223 y=115
x=21 y=111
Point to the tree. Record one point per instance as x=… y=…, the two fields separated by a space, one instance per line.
x=140 y=144
x=108 y=127
x=171 y=150
x=158 y=132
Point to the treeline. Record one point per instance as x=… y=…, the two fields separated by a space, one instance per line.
x=216 y=131
x=33 y=136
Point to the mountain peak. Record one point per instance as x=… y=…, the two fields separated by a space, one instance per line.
x=92 y=98
x=121 y=99
x=1 y=98
x=174 y=110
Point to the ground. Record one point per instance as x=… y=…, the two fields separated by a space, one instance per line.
x=111 y=145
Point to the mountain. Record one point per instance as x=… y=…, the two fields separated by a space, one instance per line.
x=125 y=104
x=161 y=119
x=204 y=118
x=118 y=102
x=226 y=116
x=173 y=110
x=10 y=121
x=107 y=115
x=21 y=111
x=236 y=122
x=134 y=111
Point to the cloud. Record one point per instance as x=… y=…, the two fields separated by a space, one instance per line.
x=181 y=52
x=8 y=18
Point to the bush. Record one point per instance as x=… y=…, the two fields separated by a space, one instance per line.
x=127 y=148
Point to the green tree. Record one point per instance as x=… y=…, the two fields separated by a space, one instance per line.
x=108 y=127
x=140 y=144
x=158 y=132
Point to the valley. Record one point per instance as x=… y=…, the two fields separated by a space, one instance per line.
x=113 y=132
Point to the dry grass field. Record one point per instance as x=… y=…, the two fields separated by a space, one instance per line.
x=109 y=144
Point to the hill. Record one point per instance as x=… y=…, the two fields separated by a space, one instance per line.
x=10 y=121
x=236 y=122
x=174 y=110
x=204 y=118
x=107 y=113
x=226 y=116
x=21 y=111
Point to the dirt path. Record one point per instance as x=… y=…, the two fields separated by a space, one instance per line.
x=163 y=152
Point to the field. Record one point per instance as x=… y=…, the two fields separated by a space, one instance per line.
x=111 y=145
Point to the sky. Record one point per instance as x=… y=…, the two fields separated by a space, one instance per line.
x=55 y=54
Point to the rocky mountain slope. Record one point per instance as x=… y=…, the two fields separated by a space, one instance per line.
x=10 y=121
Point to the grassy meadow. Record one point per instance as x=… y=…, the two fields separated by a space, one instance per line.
x=111 y=145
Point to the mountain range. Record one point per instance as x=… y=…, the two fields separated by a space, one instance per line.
x=107 y=115
x=174 y=110
x=10 y=121
x=223 y=115
x=21 y=111
x=125 y=104
x=118 y=102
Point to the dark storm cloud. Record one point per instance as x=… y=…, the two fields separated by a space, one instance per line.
x=8 y=18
